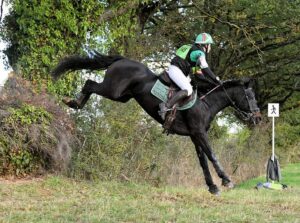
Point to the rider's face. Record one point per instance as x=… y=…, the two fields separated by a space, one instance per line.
x=208 y=48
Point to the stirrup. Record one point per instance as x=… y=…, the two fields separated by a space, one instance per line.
x=163 y=109
x=169 y=119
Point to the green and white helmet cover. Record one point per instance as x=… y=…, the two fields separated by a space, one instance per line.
x=204 y=38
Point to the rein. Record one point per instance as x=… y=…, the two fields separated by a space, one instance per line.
x=244 y=115
x=203 y=96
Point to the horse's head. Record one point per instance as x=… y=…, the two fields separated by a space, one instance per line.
x=243 y=100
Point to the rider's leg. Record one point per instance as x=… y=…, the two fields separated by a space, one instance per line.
x=176 y=98
x=178 y=77
x=183 y=83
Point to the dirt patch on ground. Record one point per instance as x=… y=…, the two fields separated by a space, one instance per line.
x=23 y=180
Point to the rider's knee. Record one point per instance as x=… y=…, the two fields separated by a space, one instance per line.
x=189 y=90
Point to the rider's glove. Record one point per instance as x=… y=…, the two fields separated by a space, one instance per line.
x=219 y=80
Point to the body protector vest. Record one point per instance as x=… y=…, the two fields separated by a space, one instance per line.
x=183 y=51
x=186 y=58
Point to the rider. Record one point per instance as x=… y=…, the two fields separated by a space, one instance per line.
x=187 y=58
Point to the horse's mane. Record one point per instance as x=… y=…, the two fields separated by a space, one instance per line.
x=204 y=84
x=244 y=81
x=233 y=82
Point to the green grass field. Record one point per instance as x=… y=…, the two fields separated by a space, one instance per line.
x=58 y=199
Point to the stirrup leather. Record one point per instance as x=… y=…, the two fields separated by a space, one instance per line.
x=163 y=109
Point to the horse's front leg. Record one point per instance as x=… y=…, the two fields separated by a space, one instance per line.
x=212 y=188
x=202 y=140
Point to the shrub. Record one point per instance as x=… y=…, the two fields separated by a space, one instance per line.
x=35 y=134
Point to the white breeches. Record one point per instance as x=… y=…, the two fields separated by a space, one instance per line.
x=180 y=79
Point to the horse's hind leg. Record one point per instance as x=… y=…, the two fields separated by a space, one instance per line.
x=104 y=89
x=82 y=98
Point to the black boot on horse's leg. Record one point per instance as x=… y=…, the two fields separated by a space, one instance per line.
x=212 y=188
x=201 y=140
x=78 y=102
x=226 y=182
x=164 y=107
x=82 y=98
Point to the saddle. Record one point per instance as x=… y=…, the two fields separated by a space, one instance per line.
x=173 y=88
x=165 y=79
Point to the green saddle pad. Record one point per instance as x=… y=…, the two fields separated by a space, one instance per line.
x=161 y=91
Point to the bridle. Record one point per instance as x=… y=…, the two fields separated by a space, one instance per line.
x=254 y=113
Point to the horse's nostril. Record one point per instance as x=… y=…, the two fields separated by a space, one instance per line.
x=258 y=119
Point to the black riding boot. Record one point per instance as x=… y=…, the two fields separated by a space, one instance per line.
x=164 y=107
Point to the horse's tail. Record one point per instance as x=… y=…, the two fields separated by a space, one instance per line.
x=97 y=62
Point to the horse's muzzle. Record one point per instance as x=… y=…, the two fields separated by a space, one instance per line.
x=256 y=117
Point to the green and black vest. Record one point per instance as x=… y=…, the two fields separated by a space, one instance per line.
x=182 y=59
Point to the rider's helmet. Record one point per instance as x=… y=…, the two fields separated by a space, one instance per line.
x=204 y=38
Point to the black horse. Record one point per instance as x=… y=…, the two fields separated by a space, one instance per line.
x=126 y=79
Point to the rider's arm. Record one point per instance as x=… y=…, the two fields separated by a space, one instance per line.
x=199 y=57
x=194 y=57
x=206 y=70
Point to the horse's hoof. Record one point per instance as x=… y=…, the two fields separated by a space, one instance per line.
x=217 y=194
x=214 y=190
x=71 y=103
x=228 y=184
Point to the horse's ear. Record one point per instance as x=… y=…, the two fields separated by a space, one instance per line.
x=252 y=83
x=248 y=82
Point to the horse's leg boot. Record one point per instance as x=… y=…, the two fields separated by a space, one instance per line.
x=70 y=102
x=78 y=102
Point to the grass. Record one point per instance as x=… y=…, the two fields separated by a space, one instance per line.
x=59 y=199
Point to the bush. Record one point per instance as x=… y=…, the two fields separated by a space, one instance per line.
x=35 y=134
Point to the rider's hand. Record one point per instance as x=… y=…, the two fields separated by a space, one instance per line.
x=219 y=81
x=199 y=72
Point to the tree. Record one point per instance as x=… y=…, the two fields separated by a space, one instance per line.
x=39 y=33
x=259 y=40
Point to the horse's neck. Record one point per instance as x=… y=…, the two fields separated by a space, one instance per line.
x=219 y=100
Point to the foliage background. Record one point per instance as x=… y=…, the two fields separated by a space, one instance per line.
x=257 y=39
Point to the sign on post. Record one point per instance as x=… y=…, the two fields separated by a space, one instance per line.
x=273 y=111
